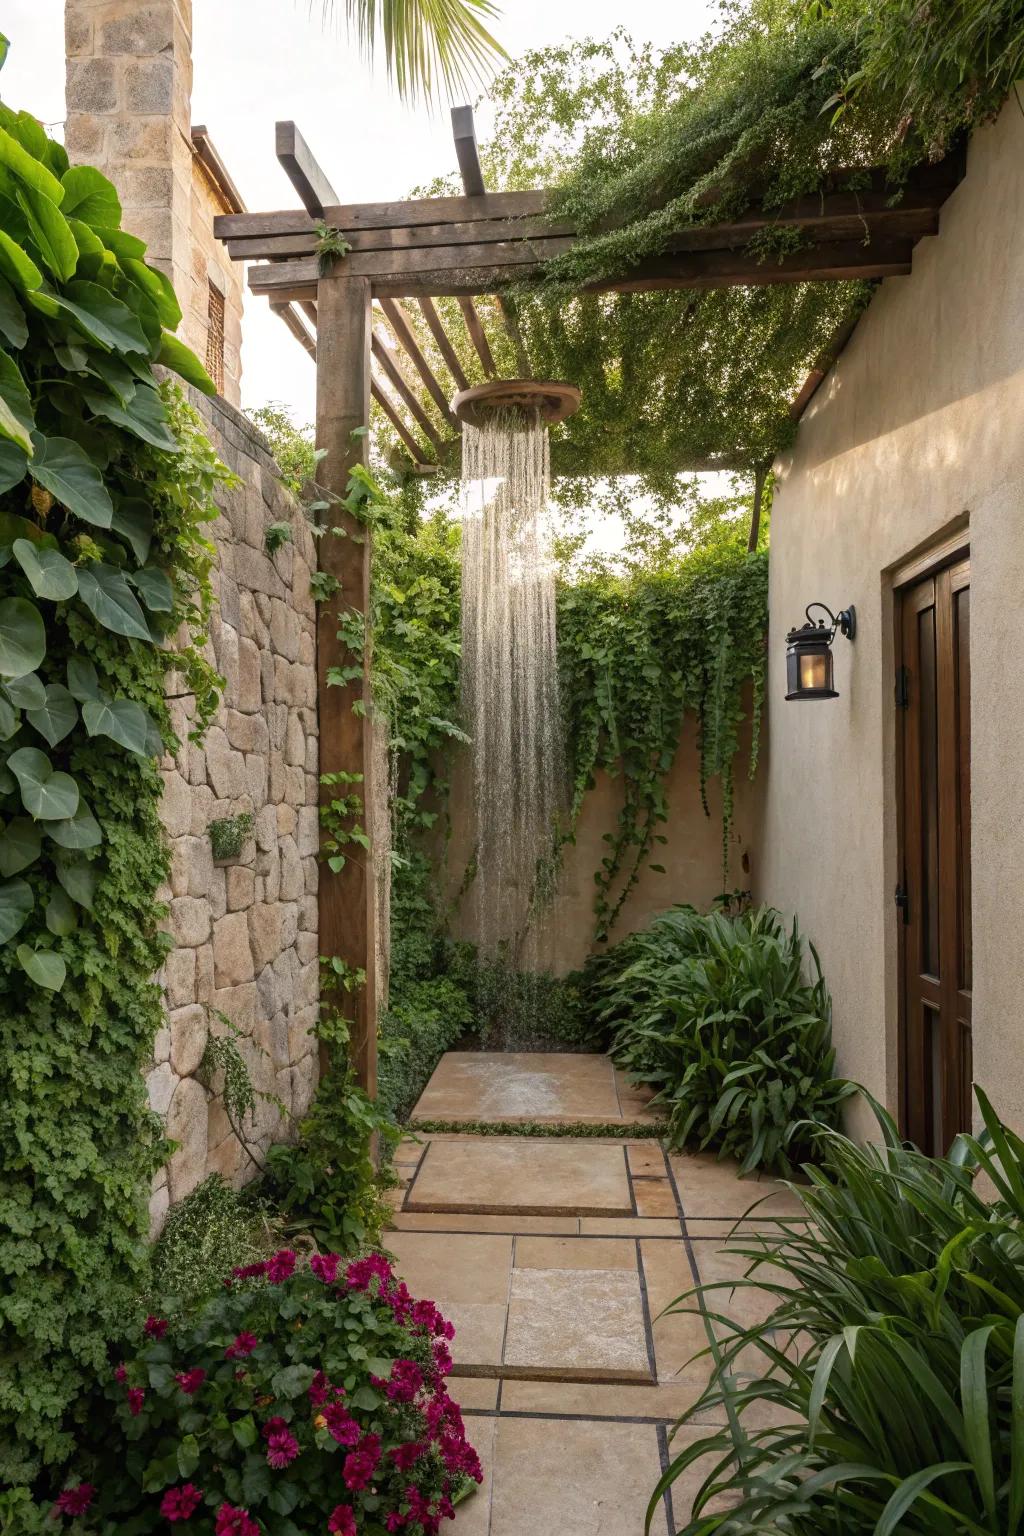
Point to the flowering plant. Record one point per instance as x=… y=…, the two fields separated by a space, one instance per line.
x=308 y=1397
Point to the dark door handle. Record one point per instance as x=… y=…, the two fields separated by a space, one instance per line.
x=903 y=902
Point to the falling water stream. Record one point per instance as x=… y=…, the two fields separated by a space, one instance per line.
x=510 y=680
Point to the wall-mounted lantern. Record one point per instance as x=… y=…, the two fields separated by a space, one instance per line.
x=809 y=653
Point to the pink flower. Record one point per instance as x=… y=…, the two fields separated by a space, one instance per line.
x=320 y=1389
x=136 y=1398
x=235 y=1522
x=342 y=1520
x=404 y=1456
x=282 y=1448
x=406 y=1381
x=442 y=1357
x=394 y=1522
x=361 y=1271
x=325 y=1267
x=281 y=1266
x=74 y=1501
x=243 y=1344
x=340 y=1425
x=121 y=1374
x=181 y=1503
x=190 y=1381
x=249 y=1272
x=154 y=1327
x=400 y=1302
x=361 y=1463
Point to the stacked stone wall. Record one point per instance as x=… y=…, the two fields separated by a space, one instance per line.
x=244 y=929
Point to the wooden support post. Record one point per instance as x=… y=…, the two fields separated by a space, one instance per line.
x=348 y=899
x=760 y=476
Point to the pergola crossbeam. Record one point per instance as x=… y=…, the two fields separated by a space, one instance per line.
x=300 y=166
x=478 y=336
x=402 y=389
x=418 y=455
x=402 y=332
x=444 y=346
x=467 y=151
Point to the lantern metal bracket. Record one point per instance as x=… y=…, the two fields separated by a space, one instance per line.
x=844 y=622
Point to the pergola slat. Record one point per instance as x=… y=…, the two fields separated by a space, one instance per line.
x=419 y=457
x=296 y=326
x=395 y=215
x=402 y=333
x=478 y=336
x=444 y=345
x=467 y=151
x=399 y=384
x=515 y=335
x=271 y=247
x=300 y=166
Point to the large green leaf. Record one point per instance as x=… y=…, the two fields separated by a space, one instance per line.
x=90 y=196
x=83 y=680
x=27 y=168
x=80 y=880
x=69 y=474
x=174 y=354
x=20 y=844
x=10 y=721
x=51 y=232
x=49 y=573
x=46 y=793
x=61 y=917
x=111 y=601
x=16 y=902
x=122 y=720
x=117 y=376
x=133 y=520
x=13 y=464
x=56 y=717
x=125 y=247
x=27 y=691
x=144 y=415
x=17 y=420
x=88 y=242
x=13 y=325
x=154 y=587
x=158 y=290
x=17 y=265
x=81 y=830
x=22 y=637
x=109 y=321
x=43 y=967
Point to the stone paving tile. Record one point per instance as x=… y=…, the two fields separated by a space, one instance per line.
x=655 y=1197
x=469 y=1267
x=524 y=1085
x=433 y=1221
x=475 y=1394
x=628 y=1226
x=521 y=1176
x=712 y=1188
x=599 y=1400
x=570 y=1253
x=573 y=1478
x=681 y=1336
x=718 y=1262
x=586 y=1324
x=646 y=1159
x=473 y=1516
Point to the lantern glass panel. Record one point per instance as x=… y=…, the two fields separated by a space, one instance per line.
x=815 y=669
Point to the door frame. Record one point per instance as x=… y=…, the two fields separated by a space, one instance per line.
x=953 y=547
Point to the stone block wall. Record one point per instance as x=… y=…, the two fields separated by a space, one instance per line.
x=129 y=89
x=244 y=930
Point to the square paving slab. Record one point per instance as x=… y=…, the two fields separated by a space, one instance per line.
x=576 y=1325
x=557 y=1477
x=520 y=1177
x=523 y=1085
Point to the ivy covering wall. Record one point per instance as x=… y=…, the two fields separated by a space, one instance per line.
x=106 y=482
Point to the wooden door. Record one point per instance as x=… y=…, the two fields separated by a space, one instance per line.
x=934 y=690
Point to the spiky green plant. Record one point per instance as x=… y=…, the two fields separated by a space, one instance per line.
x=885 y=1392
x=715 y=1013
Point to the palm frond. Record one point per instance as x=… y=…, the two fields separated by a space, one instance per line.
x=428 y=44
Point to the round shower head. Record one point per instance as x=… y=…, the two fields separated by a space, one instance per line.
x=552 y=397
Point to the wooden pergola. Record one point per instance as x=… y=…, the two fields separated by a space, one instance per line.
x=464 y=247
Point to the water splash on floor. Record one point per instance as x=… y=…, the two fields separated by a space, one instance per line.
x=510 y=690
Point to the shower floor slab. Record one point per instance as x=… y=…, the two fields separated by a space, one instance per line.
x=517 y=1086
x=518 y=1176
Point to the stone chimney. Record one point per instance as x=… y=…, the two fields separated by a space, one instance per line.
x=129 y=104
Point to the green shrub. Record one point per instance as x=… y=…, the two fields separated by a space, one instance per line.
x=431 y=1017
x=715 y=1012
x=207 y=1235
x=885 y=1392
x=305 y=1397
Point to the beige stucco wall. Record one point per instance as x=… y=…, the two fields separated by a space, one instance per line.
x=692 y=854
x=920 y=422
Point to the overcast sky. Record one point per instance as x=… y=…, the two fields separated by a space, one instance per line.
x=256 y=61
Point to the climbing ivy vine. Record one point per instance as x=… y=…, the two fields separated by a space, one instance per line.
x=106 y=483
